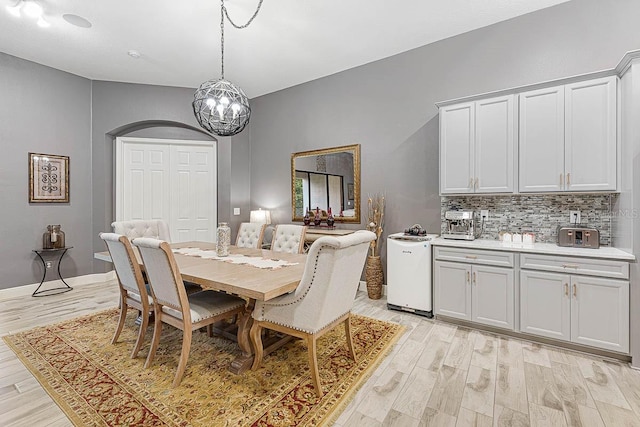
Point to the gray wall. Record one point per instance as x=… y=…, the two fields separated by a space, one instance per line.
x=388 y=106
x=43 y=111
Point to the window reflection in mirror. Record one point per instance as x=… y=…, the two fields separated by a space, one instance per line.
x=327 y=178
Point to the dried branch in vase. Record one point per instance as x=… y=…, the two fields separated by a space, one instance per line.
x=375 y=220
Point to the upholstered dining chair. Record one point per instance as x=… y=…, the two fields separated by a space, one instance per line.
x=288 y=238
x=250 y=235
x=172 y=304
x=133 y=290
x=322 y=300
x=154 y=228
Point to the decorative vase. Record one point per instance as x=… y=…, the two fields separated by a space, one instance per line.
x=317 y=219
x=374 y=276
x=223 y=240
x=307 y=218
x=330 y=219
x=53 y=238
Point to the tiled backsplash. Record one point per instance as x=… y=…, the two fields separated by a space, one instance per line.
x=538 y=213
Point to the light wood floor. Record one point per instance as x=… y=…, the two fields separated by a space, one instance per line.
x=437 y=375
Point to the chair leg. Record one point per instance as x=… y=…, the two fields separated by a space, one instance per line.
x=256 y=341
x=141 y=333
x=313 y=364
x=123 y=316
x=209 y=330
x=184 y=355
x=157 y=329
x=347 y=331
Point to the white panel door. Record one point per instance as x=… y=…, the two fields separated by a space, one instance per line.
x=590 y=135
x=145 y=180
x=172 y=180
x=494 y=145
x=457 y=124
x=492 y=296
x=600 y=313
x=541 y=140
x=193 y=189
x=452 y=290
x=545 y=304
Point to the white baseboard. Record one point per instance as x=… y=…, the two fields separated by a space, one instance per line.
x=88 y=279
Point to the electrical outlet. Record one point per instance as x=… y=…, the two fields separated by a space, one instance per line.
x=484 y=214
x=574 y=217
x=49 y=264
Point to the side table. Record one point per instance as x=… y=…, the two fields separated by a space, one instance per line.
x=52 y=256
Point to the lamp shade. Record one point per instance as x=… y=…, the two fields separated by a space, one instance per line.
x=260 y=216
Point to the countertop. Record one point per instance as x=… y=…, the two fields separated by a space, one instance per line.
x=604 y=252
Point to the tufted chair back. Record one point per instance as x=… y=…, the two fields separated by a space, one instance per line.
x=288 y=238
x=152 y=228
x=250 y=235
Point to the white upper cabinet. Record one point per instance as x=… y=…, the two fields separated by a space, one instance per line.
x=541 y=140
x=457 y=137
x=590 y=135
x=476 y=146
x=567 y=137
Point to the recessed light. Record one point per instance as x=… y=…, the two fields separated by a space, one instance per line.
x=32 y=9
x=134 y=54
x=76 y=20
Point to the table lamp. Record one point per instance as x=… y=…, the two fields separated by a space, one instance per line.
x=260 y=216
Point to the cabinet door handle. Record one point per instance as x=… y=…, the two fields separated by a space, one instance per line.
x=566 y=289
x=477 y=183
x=470 y=256
x=468 y=277
x=575 y=291
x=568 y=179
x=471 y=183
x=474 y=277
x=570 y=266
x=561 y=180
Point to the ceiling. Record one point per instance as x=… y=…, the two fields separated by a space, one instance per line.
x=290 y=42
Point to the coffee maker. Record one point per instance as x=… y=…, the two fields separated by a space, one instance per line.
x=460 y=225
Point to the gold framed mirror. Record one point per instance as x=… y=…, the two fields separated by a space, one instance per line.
x=326 y=178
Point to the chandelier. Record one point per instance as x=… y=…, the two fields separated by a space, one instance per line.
x=221 y=107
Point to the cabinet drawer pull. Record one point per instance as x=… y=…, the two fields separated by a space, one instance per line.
x=570 y=266
x=471 y=257
x=575 y=290
x=566 y=289
x=474 y=277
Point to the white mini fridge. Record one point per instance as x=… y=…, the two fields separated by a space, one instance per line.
x=409 y=273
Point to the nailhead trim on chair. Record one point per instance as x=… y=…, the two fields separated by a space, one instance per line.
x=313 y=276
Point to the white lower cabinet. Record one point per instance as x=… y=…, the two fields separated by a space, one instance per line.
x=581 y=309
x=478 y=293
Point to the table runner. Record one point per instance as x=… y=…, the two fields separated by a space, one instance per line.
x=258 y=262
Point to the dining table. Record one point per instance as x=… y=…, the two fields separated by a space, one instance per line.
x=246 y=280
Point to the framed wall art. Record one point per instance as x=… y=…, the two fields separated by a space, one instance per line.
x=350 y=191
x=48 y=178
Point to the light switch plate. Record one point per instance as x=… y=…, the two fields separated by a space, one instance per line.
x=236 y=211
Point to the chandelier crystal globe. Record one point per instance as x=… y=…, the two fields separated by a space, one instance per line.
x=221 y=107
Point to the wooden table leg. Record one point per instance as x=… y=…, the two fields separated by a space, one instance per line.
x=245 y=360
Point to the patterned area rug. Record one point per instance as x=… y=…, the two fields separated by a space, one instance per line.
x=96 y=383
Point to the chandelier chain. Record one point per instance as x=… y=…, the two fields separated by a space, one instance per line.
x=223 y=13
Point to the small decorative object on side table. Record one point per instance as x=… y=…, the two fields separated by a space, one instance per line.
x=307 y=218
x=317 y=219
x=330 y=219
x=373 y=271
x=48 y=264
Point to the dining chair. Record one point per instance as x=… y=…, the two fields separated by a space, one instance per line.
x=154 y=228
x=288 y=238
x=133 y=290
x=250 y=235
x=172 y=304
x=323 y=299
